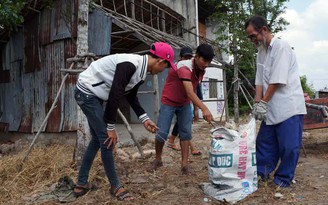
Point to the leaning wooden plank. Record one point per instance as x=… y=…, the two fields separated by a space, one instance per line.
x=131 y=133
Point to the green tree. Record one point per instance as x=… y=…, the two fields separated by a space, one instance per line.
x=10 y=13
x=232 y=15
x=307 y=88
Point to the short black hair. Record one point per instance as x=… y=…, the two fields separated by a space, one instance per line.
x=258 y=22
x=185 y=51
x=206 y=51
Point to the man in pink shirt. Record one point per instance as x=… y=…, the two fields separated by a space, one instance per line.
x=179 y=90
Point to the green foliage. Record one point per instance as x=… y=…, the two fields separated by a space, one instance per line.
x=307 y=88
x=10 y=13
x=232 y=15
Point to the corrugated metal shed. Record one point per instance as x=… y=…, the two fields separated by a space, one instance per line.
x=34 y=57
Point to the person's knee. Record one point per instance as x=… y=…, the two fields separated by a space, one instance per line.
x=161 y=138
x=185 y=136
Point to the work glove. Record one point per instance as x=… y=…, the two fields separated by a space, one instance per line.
x=254 y=110
x=260 y=110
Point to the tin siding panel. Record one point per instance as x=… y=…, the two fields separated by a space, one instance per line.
x=69 y=106
x=4 y=74
x=39 y=93
x=45 y=27
x=16 y=103
x=17 y=46
x=32 y=50
x=99 y=33
x=62 y=17
x=27 y=103
x=53 y=60
x=11 y=99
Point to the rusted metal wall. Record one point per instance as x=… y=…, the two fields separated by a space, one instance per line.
x=34 y=57
x=99 y=33
x=11 y=92
x=314 y=119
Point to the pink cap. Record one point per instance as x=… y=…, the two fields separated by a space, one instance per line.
x=164 y=51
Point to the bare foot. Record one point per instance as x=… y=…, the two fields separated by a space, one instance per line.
x=187 y=170
x=155 y=165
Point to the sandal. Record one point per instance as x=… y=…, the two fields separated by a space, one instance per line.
x=173 y=146
x=155 y=165
x=187 y=170
x=84 y=190
x=122 y=196
x=196 y=152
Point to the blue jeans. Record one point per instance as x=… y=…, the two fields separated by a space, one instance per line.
x=282 y=141
x=92 y=107
x=175 y=130
x=184 y=119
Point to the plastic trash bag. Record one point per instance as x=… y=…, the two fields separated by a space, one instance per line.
x=232 y=163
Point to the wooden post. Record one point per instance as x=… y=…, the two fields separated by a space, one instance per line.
x=226 y=107
x=156 y=97
x=133 y=13
x=235 y=72
x=151 y=16
x=83 y=132
x=163 y=21
x=235 y=90
x=142 y=17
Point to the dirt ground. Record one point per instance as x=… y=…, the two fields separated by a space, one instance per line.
x=167 y=185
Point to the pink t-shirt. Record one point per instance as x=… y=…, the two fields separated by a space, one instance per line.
x=174 y=93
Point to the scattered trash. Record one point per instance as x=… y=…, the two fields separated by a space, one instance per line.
x=147 y=154
x=205 y=199
x=231 y=125
x=278 y=195
x=306 y=135
x=62 y=192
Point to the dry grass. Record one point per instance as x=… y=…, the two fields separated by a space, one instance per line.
x=43 y=168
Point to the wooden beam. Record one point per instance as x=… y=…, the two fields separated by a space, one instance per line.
x=125 y=38
x=72 y=71
x=137 y=34
x=122 y=32
x=33 y=9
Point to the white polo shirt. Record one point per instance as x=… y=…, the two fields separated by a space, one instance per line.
x=277 y=65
